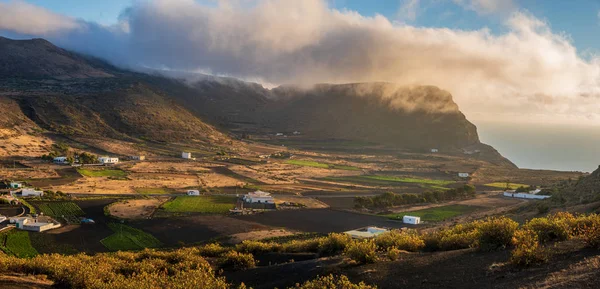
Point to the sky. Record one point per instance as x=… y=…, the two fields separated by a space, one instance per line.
x=529 y=61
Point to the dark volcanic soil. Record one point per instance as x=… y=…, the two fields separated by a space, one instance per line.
x=319 y=220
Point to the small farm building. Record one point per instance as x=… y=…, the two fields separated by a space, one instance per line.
x=411 y=220
x=186 y=155
x=259 y=197
x=366 y=232
x=279 y=134
x=108 y=160
x=463 y=175
x=193 y=193
x=60 y=160
x=137 y=158
x=434 y=150
x=28 y=192
x=514 y=194
x=31 y=224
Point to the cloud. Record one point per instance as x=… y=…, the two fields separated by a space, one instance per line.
x=486 y=7
x=22 y=17
x=408 y=10
x=527 y=72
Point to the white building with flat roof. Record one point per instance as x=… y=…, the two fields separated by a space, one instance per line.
x=259 y=197
x=60 y=160
x=29 y=192
x=193 y=193
x=186 y=155
x=463 y=175
x=108 y=160
x=413 y=220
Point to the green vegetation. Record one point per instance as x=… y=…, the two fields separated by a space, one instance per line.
x=314 y=164
x=17 y=243
x=200 y=204
x=510 y=186
x=381 y=180
x=391 y=199
x=127 y=238
x=153 y=191
x=31 y=208
x=59 y=209
x=436 y=214
x=362 y=251
x=102 y=173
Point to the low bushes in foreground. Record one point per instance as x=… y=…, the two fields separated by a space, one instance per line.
x=527 y=249
x=496 y=233
x=333 y=282
x=362 y=251
x=233 y=260
x=408 y=240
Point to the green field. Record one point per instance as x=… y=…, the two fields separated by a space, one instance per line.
x=390 y=181
x=512 y=186
x=314 y=164
x=59 y=209
x=17 y=243
x=153 y=191
x=128 y=238
x=102 y=173
x=436 y=214
x=200 y=204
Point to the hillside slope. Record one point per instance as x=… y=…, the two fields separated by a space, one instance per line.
x=70 y=94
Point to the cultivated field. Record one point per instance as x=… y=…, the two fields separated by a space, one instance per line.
x=102 y=173
x=128 y=238
x=17 y=243
x=436 y=214
x=200 y=204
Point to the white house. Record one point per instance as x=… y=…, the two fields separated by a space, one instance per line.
x=193 y=193
x=514 y=194
x=15 y=185
x=259 y=197
x=60 y=160
x=296 y=132
x=366 y=233
x=463 y=175
x=279 y=134
x=434 y=150
x=28 y=192
x=186 y=155
x=137 y=158
x=31 y=224
x=108 y=160
x=411 y=220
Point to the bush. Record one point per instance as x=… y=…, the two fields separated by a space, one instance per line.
x=233 y=260
x=362 y=251
x=549 y=229
x=297 y=246
x=257 y=247
x=588 y=229
x=496 y=233
x=543 y=208
x=212 y=250
x=393 y=253
x=331 y=282
x=334 y=243
x=409 y=240
x=527 y=250
x=461 y=236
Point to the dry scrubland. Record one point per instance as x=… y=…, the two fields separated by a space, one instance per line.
x=136 y=208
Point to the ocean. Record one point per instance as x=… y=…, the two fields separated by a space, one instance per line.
x=545 y=146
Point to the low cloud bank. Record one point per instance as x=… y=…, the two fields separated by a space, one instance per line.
x=528 y=72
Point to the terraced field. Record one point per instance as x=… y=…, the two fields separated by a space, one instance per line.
x=314 y=164
x=381 y=180
x=102 y=173
x=68 y=211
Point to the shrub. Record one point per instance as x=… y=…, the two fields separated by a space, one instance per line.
x=212 y=250
x=527 y=250
x=393 y=253
x=296 y=246
x=543 y=208
x=461 y=236
x=334 y=243
x=236 y=261
x=257 y=247
x=362 y=251
x=332 y=282
x=496 y=233
x=409 y=240
x=588 y=229
x=549 y=229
